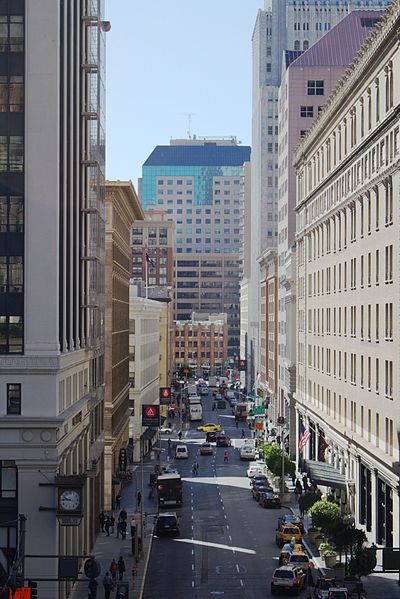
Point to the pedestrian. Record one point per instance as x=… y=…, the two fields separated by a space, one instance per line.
x=133 y=527
x=93 y=588
x=145 y=521
x=121 y=567
x=102 y=518
x=139 y=499
x=310 y=578
x=226 y=456
x=249 y=425
x=107 y=525
x=112 y=523
x=180 y=435
x=305 y=482
x=237 y=423
x=108 y=585
x=169 y=445
x=123 y=529
x=118 y=501
x=193 y=469
x=113 y=571
x=118 y=528
x=243 y=433
x=197 y=468
x=299 y=488
x=122 y=515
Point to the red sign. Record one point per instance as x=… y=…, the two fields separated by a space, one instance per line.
x=258 y=426
x=150 y=412
x=24 y=593
x=186 y=371
x=165 y=395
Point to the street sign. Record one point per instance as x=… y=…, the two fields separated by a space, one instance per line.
x=258 y=410
x=151 y=415
x=165 y=396
x=258 y=426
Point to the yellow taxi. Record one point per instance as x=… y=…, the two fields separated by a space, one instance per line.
x=285 y=534
x=209 y=428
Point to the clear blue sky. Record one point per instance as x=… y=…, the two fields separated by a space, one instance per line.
x=166 y=58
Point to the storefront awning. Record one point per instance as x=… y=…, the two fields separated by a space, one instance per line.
x=324 y=474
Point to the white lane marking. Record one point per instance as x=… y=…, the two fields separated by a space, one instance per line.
x=230 y=538
x=192 y=584
x=237 y=568
x=241 y=582
x=217 y=546
x=192 y=566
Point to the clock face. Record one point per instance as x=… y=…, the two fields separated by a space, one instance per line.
x=70 y=500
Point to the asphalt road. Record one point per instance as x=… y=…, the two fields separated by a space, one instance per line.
x=227 y=541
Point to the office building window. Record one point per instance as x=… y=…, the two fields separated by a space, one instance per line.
x=11 y=153
x=315 y=87
x=306 y=111
x=11 y=33
x=11 y=329
x=11 y=93
x=14 y=399
x=11 y=214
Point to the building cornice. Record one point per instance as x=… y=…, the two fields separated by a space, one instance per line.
x=386 y=29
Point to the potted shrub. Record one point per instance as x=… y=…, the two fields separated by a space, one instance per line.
x=325 y=515
x=330 y=557
x=324 y=547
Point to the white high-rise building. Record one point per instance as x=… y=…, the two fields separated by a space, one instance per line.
x=52 y=281
x=282 y=25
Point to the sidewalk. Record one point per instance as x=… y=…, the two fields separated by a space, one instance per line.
x=108 y=547
x=377 y=586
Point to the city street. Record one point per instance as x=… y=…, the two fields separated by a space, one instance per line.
x=227 y=541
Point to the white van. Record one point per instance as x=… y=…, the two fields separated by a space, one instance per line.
x=181 y=452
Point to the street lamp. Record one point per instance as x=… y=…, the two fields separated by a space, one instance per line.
x=281 y=423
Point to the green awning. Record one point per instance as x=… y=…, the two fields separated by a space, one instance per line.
x=325 y=474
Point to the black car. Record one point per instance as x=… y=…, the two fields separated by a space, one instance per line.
x=211 y=436
x=167 y=524
x=221 y=404
x=269 y=500
x=260 y=479
x=223 y=441
x=258 y=490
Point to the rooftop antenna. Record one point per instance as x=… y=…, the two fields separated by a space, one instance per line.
x=189 y=118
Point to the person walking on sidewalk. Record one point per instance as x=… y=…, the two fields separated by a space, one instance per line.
x=123 y=528
x=118 y=501
x=108 y=585
x=112 y=523
x=139 y=499
x=102 y=520
x=107 y=525
x=118 y=529
x=113 y=570
x=121 y=567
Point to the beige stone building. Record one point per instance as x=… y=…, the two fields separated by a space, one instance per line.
x=122 y=210
x=202 y=342
x=268 y=382
x=348 y=221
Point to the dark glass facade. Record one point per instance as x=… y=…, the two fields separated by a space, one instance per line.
x=12 y=71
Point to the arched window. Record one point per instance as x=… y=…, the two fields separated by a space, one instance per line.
x=306 y=45
x=296 y=44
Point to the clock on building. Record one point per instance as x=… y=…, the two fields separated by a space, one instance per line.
x=69 y=500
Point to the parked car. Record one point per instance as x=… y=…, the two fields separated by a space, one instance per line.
x=338 y=593
x=287 y=578
x=223 y=441
x=259 y=479
x=206 y=449
x=256 y=468
x=322 y=587
x=258 y=490
x=292 y=519
x=210 y=426
x=270 y=499
x=247 y=452
x=286 y=533
x=300 y=559
x=167 y=524
x=181 y=452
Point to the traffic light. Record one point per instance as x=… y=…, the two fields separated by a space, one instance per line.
x=34 y=590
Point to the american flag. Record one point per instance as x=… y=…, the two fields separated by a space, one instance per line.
x=304 y=437
x=150 y=260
